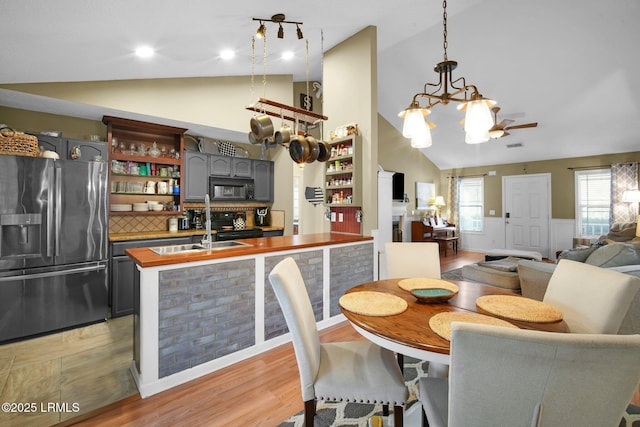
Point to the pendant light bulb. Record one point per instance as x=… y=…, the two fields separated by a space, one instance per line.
x=261 y=31
x=422 y=140
x=476 y=138
x=299 y=32
x=477 y=121
x=280 y=32
x=414 y=121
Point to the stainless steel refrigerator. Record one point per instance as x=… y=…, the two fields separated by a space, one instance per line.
x=53 y=245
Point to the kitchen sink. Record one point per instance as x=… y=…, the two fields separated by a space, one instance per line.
x=195 y=247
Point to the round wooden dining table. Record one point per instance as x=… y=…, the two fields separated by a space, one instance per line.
x=409 y=333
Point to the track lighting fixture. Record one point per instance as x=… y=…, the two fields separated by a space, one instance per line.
x=279 y=19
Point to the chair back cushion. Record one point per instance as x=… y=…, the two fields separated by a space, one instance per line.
x=288 y=285
x=593 y=300
x=412 y=259
x=515 y=377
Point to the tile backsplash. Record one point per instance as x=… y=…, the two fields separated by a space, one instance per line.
x=138 y=223
x=145 y=223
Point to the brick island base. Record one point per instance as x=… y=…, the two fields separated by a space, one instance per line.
x=196 y=317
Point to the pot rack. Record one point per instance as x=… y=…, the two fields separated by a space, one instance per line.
x=286 y=112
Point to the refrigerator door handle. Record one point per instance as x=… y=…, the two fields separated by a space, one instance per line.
x=53 y=273
x=58 y=207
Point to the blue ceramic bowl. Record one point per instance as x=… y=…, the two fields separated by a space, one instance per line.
x=431 y=295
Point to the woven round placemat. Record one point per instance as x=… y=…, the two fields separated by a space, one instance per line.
x=519 y=308
x=426 y=283
x=441 y=322
x=373 y=303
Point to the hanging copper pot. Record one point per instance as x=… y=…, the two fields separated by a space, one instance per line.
x=324 y=153
x=253 y=138
x=299 y=149
x=262 y=126
x=314 y=150
x=283 y=136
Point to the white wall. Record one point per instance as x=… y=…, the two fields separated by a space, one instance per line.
x=493 y=236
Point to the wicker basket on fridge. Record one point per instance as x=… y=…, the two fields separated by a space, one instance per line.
x=18 y=143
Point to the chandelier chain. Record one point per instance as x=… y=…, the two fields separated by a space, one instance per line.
x=264 y=66
x=445 y=44
x=253 y=66
x=307 y=105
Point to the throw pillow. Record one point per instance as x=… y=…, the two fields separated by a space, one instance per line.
x=579 y=255
x=614 y=255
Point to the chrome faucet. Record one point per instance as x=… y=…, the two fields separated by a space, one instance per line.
x=206 y=240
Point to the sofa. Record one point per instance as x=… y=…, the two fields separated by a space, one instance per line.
x=619 y=256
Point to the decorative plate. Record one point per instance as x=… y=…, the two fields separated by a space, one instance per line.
x=209 y=146
x=191 y=143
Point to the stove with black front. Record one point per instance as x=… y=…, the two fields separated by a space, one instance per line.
x=232 y=226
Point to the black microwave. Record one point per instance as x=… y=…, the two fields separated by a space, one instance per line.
x=230 y=188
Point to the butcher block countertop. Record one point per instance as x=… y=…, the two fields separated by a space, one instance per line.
x=144 y=257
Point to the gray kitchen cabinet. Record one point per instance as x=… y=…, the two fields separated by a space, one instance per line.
x=263 y=180
x=53 y=143
x=88 y=149
x=199 y=166
x=220 y=165
x=234 y=167
x=242 y=167
x=64 y=146
x=123 y=274
x=196 y=176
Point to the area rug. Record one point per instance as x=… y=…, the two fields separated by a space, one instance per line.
x=342 y=414
x=337 y=414
x=453 y=274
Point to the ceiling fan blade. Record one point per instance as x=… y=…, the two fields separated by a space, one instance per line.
x=526 y=125
x=505 y=134
x=506 y=122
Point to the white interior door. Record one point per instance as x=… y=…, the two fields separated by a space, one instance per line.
x=527 y=210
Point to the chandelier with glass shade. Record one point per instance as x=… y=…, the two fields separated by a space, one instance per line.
x=477 y=121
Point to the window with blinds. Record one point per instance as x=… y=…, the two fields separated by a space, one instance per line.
x=471 y=204
x=593 y=201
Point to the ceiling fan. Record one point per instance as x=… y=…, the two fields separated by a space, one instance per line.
x=500 y=129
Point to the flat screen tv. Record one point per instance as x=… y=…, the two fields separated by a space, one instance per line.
x=398 y=186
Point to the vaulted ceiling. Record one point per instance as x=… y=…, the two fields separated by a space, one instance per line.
x=568 y=65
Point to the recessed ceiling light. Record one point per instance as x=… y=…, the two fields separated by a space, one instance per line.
x=227 y=54
x=287 y=55
x=145 y=51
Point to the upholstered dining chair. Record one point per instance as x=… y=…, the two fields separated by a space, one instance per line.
x=357 y=371
x=524 y=378
x=412 y=259
x=593 y=300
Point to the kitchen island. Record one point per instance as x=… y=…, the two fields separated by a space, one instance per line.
x=200 y=311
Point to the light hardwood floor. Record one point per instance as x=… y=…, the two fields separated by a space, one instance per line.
x=83 y=369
